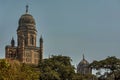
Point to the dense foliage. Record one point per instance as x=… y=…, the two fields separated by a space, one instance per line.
x=57 y=67
x=111 y=65
x=13 y=70
x=54 y=68
x=60 y=68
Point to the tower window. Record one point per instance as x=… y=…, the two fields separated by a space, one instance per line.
x=32 y=40
x=25 y=41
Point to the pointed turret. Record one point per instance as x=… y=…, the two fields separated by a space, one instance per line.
x=41 y=49
x=41 y=44
x=41 y=39
x=12 y=42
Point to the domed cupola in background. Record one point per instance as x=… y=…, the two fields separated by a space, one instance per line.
x=27 y=27
x=83 y=67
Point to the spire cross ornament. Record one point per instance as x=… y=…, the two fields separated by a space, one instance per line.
x=83 y=57
x=27 y=8
x=83 y=54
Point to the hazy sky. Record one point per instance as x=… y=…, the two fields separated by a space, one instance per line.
x=67 y=26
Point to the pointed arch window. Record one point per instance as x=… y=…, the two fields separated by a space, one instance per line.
x=32 y=40
x=25 y=42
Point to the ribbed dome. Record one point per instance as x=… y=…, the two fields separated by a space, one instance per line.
x=83 y=67
x=26 y=22
x=26 y=19
x=84 y=62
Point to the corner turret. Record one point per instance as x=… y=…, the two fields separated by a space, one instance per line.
x=41 y=49
x=12 y=42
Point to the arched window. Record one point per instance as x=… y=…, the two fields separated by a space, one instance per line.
x=25 y=42
x=32 y=40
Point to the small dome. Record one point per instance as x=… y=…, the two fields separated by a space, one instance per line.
x=83 y=67
x=84 y=62
x=26 y=19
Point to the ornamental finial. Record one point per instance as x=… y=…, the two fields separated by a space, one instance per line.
x=27 y=8
x=83 y=57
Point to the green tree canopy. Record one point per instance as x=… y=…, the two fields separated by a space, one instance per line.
x=14 y=70
x=57 y=67
x=111 y=64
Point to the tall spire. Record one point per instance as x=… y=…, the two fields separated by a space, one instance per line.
x=41 y=49
x=83 y=53
x=41 y=39
x=83 y=57
x=27 y=8
x=12 y=42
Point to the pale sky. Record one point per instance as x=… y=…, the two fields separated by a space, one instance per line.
x=67 y=26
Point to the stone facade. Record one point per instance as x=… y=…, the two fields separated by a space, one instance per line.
x=26 y=50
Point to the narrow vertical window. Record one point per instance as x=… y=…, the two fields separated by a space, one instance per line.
x=25 y=42
x=32 y=40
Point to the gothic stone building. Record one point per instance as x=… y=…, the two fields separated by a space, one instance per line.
x=26 y=50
